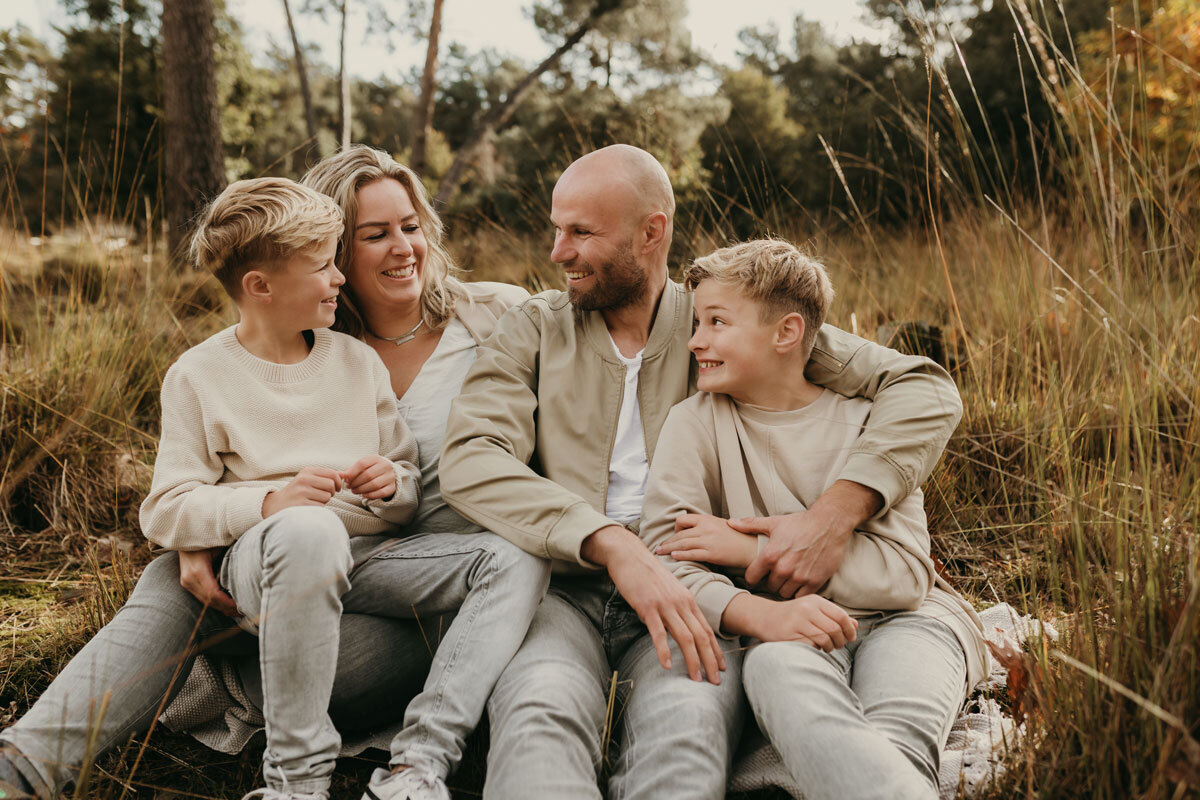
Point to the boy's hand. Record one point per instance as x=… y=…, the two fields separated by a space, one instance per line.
x=312 y=486
x=811 y=619
x=373 y=477
x=660 y=600
x=703 y=537
x=196 y=575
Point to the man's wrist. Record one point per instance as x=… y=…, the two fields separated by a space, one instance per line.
x=602 y=545
x=853 y=501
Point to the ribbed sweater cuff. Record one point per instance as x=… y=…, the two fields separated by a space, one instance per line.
x=713 y=598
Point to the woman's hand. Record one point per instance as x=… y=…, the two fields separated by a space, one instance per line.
x=196 y=575
x=372 y=477
x=703 y=537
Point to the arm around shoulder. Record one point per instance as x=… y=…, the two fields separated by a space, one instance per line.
x=915 y=409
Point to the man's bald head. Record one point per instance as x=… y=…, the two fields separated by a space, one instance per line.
x=626 y=174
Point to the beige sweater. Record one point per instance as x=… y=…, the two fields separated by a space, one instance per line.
x=716 y=456
x=235 y=427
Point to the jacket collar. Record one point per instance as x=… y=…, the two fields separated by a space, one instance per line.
x=671 y=306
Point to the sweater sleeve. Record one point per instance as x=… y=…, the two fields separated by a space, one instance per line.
x=685 y=479
x=881 y=573
x=916 y=408
x=490 y=437
x=185 y=510
x=398 y=445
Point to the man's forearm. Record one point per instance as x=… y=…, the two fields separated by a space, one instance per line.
x=850 y=502
x=609 y=542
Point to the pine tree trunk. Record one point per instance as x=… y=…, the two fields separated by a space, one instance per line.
x=310 y=116
x=193 y=159
x=423 y=124
x=344 y=82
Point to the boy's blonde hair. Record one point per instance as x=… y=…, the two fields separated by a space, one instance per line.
x=777 y=275
x=258 y=223
x=341 y=176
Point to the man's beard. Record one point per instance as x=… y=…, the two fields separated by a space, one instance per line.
x=619 y=282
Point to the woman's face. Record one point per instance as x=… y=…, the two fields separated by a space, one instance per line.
x=386 y=268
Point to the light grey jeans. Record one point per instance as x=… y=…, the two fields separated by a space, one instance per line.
x=136 y=663
x=676 y=736
x=287 y=575
x=867 y=720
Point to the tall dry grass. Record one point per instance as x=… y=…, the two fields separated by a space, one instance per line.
x=1071 y=490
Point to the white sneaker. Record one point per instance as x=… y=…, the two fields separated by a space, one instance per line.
x=267 y=793
x=411 y=784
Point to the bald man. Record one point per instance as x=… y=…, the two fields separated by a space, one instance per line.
x=549 y=446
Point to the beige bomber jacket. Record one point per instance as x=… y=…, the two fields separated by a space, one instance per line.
x=529 y=438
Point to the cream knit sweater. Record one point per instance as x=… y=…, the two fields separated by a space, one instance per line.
x=235 y=427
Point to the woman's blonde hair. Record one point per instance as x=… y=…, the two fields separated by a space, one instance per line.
x=259 y=223
x=341 y=176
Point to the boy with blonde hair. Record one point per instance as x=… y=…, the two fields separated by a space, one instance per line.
x=857 y=685
x=280 y=439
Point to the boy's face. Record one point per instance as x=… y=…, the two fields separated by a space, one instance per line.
x=732 y=345
x=304 y=288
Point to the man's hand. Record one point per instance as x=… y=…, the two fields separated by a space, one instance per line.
x=661 y=601
x=703 y=537
x=373 y=477
x=196 y=575
x=807 y=547
x=312 y=486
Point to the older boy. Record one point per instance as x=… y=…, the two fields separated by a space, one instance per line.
x=856 y=686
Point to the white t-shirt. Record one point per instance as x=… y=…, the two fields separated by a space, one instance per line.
x=627 y=466
x=425 y=407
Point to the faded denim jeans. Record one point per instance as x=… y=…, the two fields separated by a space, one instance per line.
x=867 y=720
x=132 y=667
x=676 y=737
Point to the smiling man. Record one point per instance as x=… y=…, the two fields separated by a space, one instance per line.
x=548 y=445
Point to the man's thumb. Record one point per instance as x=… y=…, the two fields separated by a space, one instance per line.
x=751 y=525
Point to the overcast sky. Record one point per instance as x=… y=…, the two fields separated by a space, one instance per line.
x=499 y=24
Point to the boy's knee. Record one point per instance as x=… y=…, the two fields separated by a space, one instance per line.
x=768 y=664
x=313 y=532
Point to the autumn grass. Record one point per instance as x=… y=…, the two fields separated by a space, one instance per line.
x=1071 y=489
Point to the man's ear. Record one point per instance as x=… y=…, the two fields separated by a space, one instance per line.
x=789 y=333
x=653 y=233
x=256 y=286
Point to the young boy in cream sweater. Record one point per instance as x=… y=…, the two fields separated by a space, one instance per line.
x=857 y=685
x=279 y=440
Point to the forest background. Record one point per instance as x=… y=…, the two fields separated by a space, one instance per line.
x=1012 y=187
